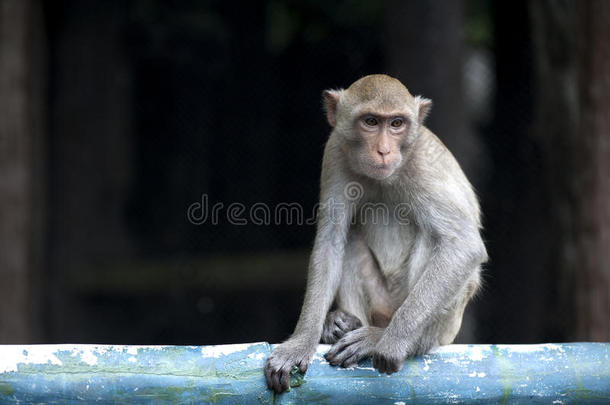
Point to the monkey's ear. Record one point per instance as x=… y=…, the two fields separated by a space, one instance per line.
x=330 y=99
x=423 y=106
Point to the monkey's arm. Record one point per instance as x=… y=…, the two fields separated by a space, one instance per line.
x=323 y=278
x=456 y=252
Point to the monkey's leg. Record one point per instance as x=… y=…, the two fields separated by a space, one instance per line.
x=444 y=330
x=351 y=309
x=453 y=322
x=363 y=290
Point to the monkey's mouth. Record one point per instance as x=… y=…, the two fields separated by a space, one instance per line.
x=380 y=171
x=381 y=166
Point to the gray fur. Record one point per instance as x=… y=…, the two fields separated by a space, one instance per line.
x=407 y=281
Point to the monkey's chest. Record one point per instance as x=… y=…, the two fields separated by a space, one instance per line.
x=391 y=241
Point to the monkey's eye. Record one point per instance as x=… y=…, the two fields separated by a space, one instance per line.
x=397 y=123
x=370 y=121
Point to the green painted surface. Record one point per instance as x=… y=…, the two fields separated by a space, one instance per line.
x=6 y=389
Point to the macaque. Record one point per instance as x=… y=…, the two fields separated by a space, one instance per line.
x=400 y=281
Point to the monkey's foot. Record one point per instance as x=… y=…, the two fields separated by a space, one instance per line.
x=337 y=324
x=354 y=346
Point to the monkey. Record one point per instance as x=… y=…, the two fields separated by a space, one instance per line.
x=399 y=284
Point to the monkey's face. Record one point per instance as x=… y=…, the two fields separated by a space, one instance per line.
x=377 y=141
x=378 y=120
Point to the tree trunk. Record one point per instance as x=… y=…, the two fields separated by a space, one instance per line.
x=572 y=121
x=22 y=96
x=91 y=149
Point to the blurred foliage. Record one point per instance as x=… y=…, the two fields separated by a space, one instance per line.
x=478 y=25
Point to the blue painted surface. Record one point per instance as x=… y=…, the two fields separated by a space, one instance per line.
x=233 y=374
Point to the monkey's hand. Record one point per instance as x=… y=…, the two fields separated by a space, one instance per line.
x=389 y=354
x=293 y=352
x=354 y=346
x=337 y=324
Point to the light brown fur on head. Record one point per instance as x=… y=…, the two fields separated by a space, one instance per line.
x=381 y=90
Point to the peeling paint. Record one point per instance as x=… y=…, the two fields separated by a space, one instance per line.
x=257 y=356
x=233 y=374
x=11 y=357
x=223 y=350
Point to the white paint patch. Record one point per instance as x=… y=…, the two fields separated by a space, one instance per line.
x=557 y=401
x=475 y=374
x=479 y=352
x=427 y=364
x=132 y=360
x=318 y=356
x=452 y=360
x=476 y=354
x=530 y=348
x=257 y=356
x=322 y=348
x=464 y=352
x=224 y=350
x=399 y=403
x=86 y=353
x=478 y=389
x=13 y=355
x=133 y=349
x=453 y=349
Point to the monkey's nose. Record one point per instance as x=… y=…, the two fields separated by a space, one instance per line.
x=383 y=151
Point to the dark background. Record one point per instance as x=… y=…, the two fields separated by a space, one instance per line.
x=117 y=116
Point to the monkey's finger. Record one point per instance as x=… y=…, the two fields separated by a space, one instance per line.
x=341 y=324
x=378 y=363
x=348 y=323
x=342 y=356
x=391 y=367
x=285 y=379
x=350 y=356
x=267 y=381
x=268 y=374
x=352 y=361
x=303 y=365
x=384 y=365
x=331 y=354
x=397 y=366
x=334 y=349
x=275 y=381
